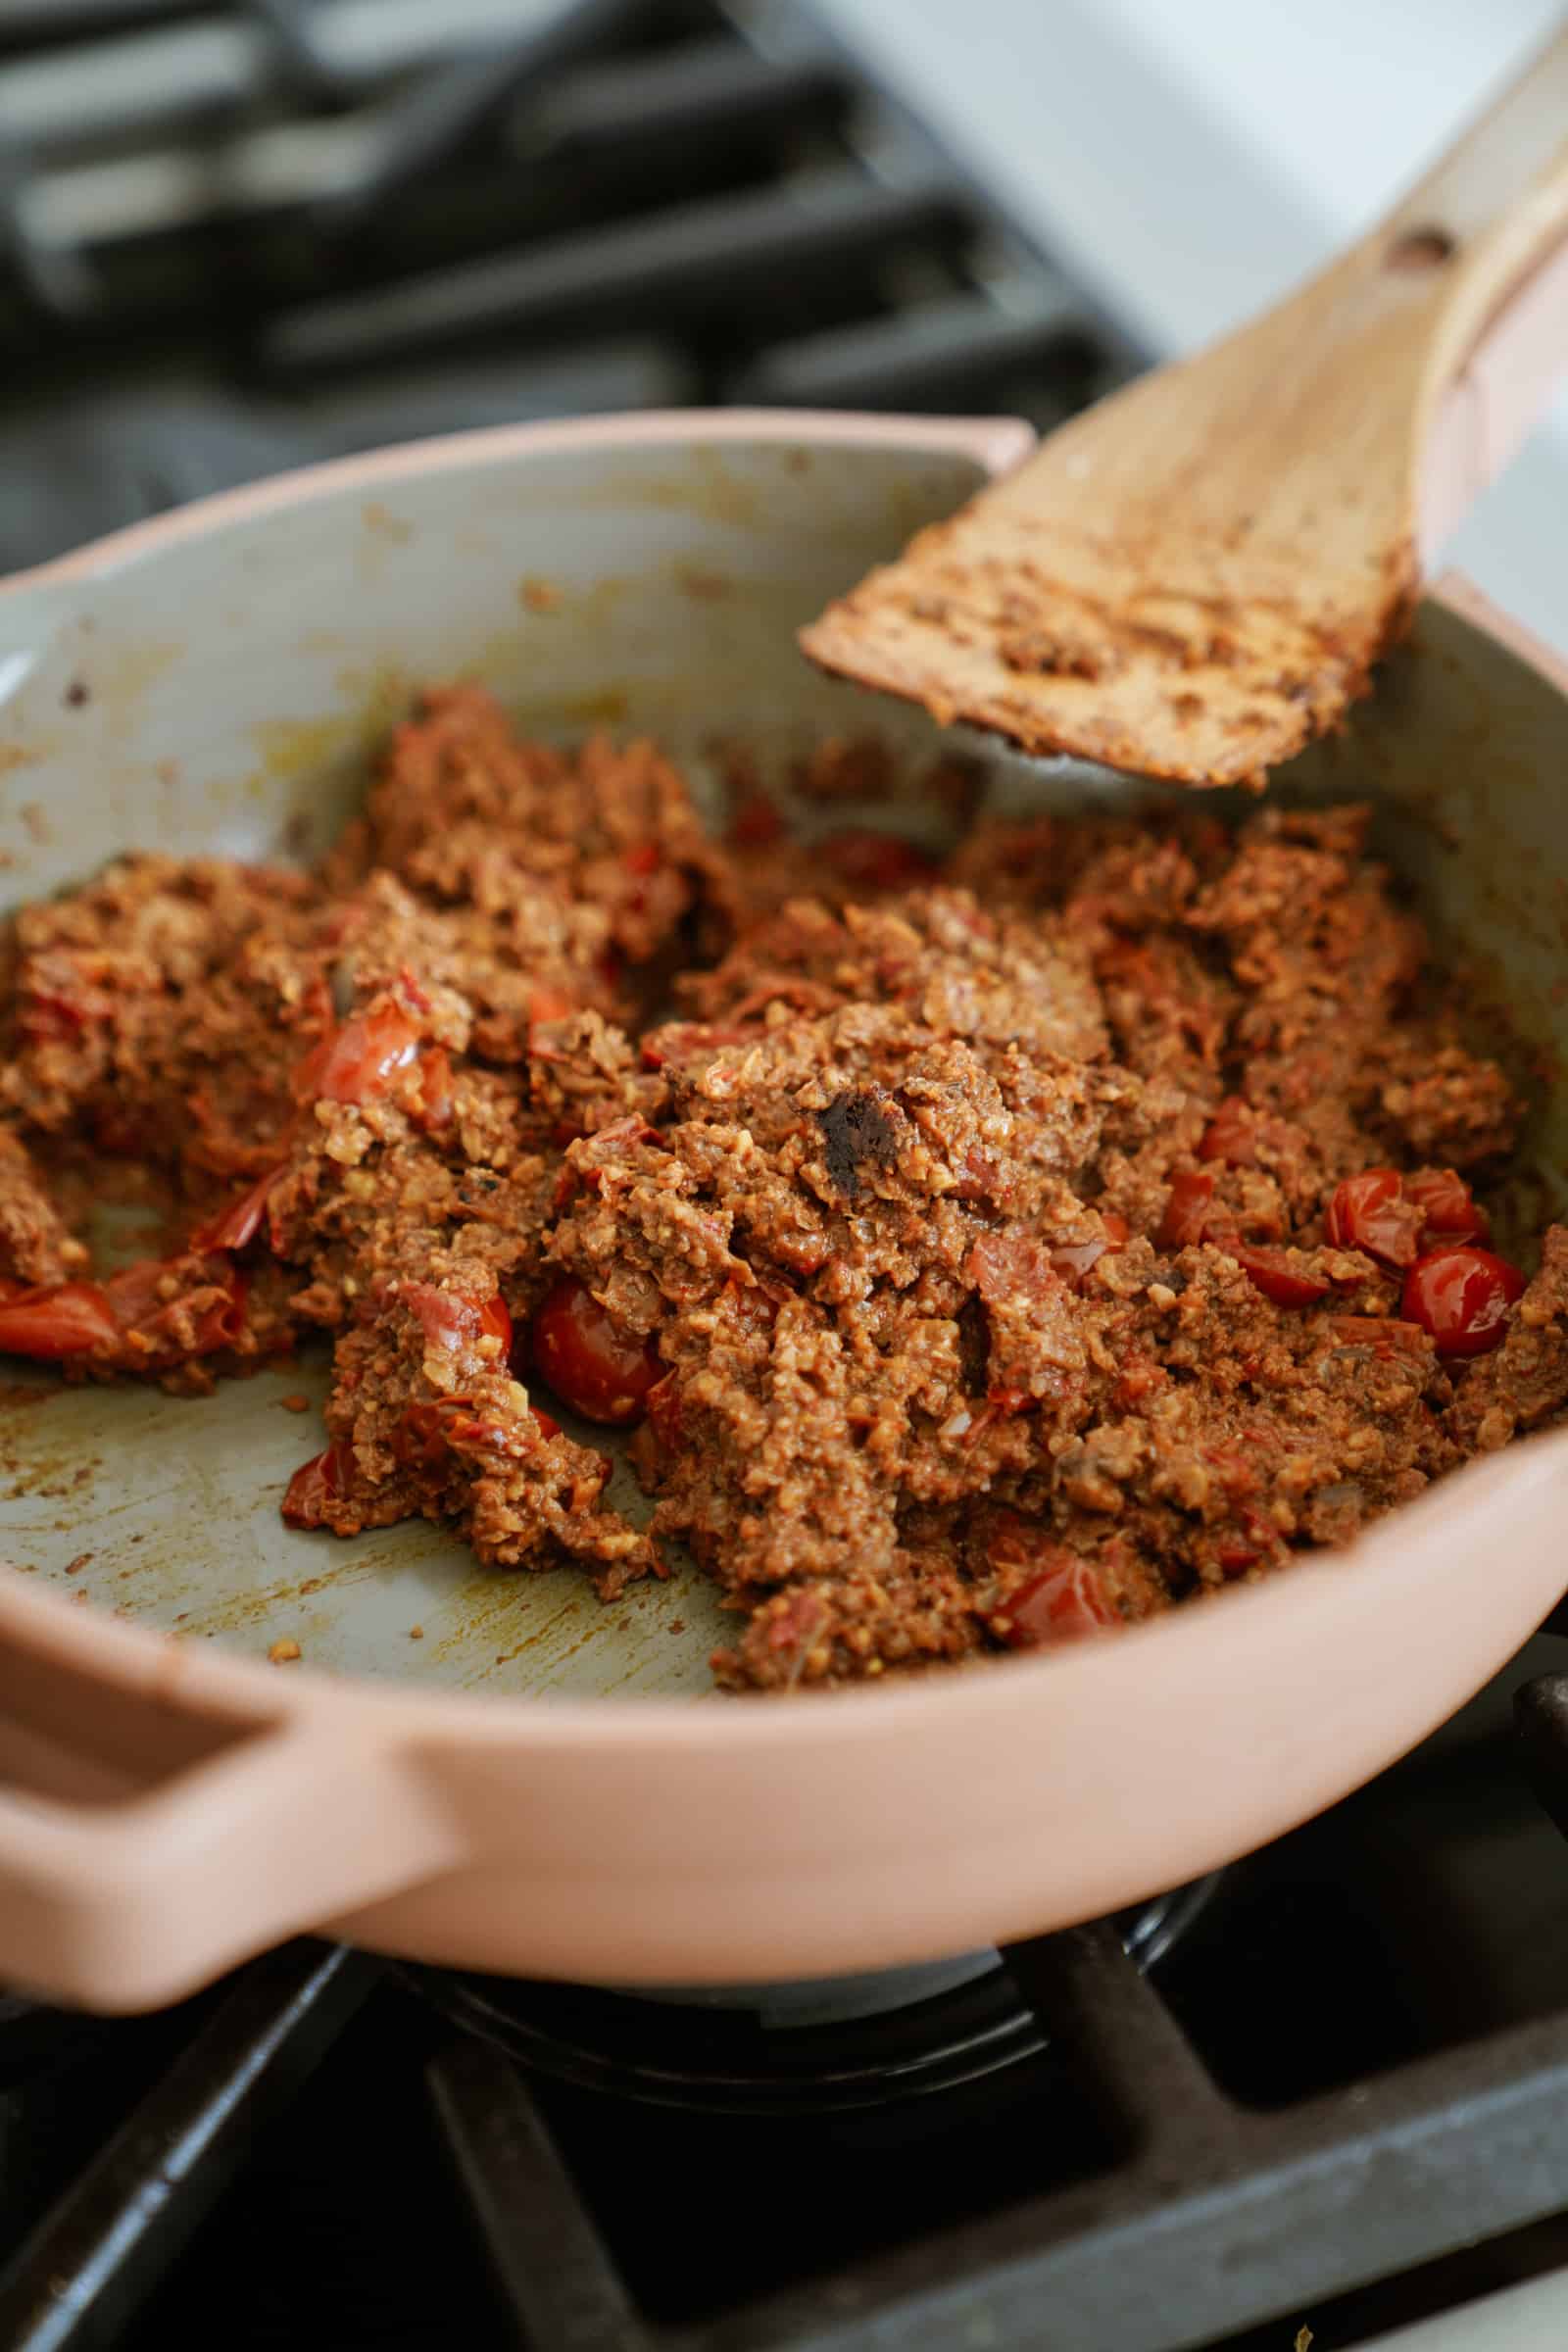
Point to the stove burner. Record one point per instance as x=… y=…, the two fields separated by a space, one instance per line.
x=797 y=2049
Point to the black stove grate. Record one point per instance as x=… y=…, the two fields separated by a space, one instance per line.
x=1104 y=2191
x=240 y=237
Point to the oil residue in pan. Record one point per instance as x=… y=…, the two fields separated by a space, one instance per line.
x=165 y=1509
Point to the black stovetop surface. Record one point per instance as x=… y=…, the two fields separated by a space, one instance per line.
x=1355 y=2069
x=238 y=237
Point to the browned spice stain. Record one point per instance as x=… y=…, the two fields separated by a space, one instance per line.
x=539 y=596
x=380 y=518
x=704 y=587
x=80 y=1561
x=77 y=695
x=313 y=1583
x=283 y=1652
x=295 y=1403
x=15 y=754
x=416 y=1633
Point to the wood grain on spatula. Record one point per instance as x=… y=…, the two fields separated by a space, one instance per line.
x=1194 y=579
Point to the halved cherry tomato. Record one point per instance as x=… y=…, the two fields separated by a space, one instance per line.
x=1446 y=1204
x=1461 y=1295
x=874 y=860
x=1191 y=1193
x=1371 y=1213
x=315 y=1482
x=588 y=1360
x=358 y=1063
x=1273 y=1272
x=451 y=1322
x=236 y=1227
x=1230 y=1135
x=57 y=1321
x=1062 y=1602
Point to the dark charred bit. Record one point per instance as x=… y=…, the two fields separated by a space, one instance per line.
x=855 y=1129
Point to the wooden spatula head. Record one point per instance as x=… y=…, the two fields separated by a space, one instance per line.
x=1197 y=578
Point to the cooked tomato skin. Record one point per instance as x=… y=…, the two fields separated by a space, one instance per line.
x=64 y=1319
x=1272 y=1272
x=1230 y=1136
x=1464 y=1296
x=453 y=1323
x=1062 y=1602
x=1371 y=1213
x=1449 y=1209
x=1191 y=1193
x=315 y=1482
x=237 y=1226
x=53 y=1322
x=588 y=1361
x=359 y=1062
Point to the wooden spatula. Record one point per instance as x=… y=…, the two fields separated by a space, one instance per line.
x=1194 y=578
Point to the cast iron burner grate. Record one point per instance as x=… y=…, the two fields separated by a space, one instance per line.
x=1122 y=2183
x=850 y=2043
x=237 y=239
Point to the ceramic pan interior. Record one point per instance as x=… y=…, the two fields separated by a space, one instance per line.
x=225 y=690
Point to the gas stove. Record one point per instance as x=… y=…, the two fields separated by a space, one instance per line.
x=1317 y=2098
x=236 y=238
x=1322 y=2092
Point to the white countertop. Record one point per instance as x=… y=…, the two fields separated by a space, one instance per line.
x=1190 y=163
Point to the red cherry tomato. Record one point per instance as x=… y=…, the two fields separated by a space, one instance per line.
x=1062 y=1602
x=1192 y=1191
x=359 y=1062
x=236 y=1227
x=315 y=1482
x=1371 y=1213
x=874 y=860
x=57 y=1321
x=588 y=1360
x=1275 y=1274
x=1462 y=1295
x=1446 y=1204
x=1230 y=1135
x=453 y=1323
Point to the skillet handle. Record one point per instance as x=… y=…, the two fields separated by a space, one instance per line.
x=120 y=1903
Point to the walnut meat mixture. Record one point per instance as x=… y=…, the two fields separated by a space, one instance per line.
x=985 y=1256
